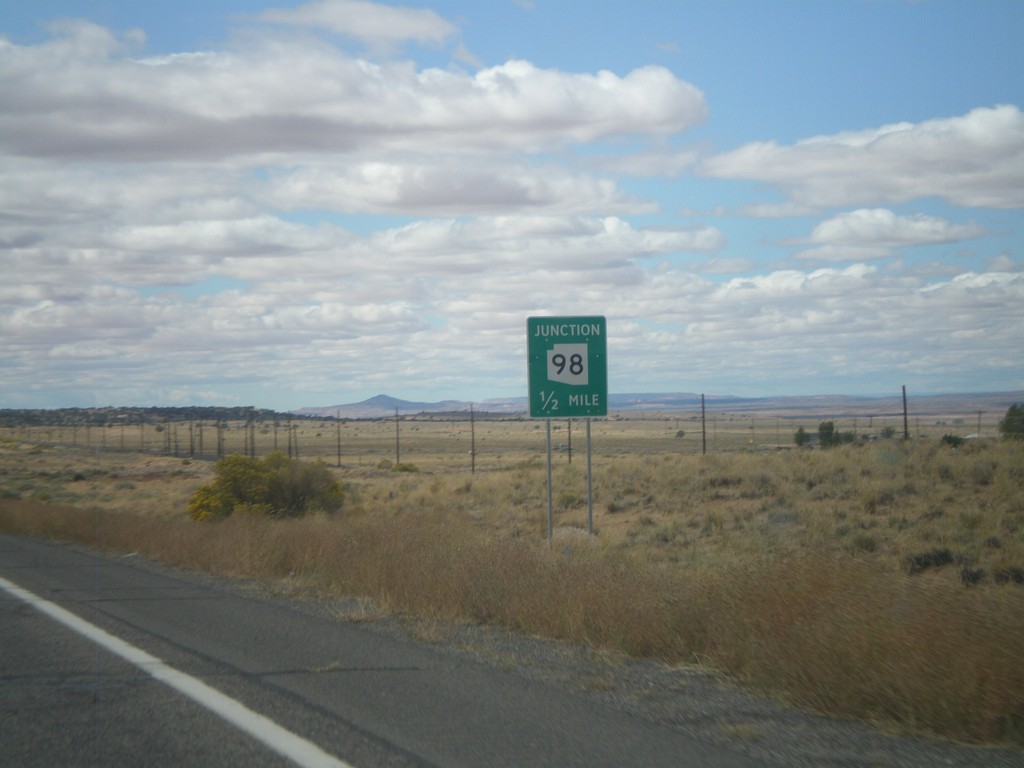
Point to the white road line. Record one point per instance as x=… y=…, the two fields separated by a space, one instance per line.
x=287 y=744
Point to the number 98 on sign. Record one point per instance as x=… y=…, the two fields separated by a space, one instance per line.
x=567 y=366
x=567 y=363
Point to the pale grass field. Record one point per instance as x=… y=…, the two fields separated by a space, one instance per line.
x=876 y=580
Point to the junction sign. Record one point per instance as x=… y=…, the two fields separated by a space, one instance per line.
x=568 y=366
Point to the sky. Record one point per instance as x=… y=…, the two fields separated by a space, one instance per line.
x=305 y=204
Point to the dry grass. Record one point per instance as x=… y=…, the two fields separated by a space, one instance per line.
x=874 y=581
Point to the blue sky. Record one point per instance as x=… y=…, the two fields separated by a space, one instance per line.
x=304 y=204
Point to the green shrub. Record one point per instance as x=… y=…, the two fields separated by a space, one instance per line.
x=276 y=486
x=567 y=500
x=295 y=487
x=828 y=436
x=1012 y=425
x=209 y=502
x=862 y=542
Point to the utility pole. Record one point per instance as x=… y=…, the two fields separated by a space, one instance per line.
x=906 y=425
x=472 y=441
x=703 y=428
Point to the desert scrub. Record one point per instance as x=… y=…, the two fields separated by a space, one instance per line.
x=847 y=635
x=776 y=567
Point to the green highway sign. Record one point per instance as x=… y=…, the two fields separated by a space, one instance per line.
x=568 y=366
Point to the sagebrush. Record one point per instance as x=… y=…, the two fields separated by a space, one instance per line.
x=275 y=485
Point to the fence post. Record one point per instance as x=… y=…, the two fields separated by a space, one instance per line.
x=703 y=428
x=472 y=441
x=906 y=426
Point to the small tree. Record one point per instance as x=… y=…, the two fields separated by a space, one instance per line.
x=801 y=437
x=828 y=436
x=294 y=487
x=1011 y=426
x=276 y=486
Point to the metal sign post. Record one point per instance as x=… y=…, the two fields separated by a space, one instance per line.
x=551 y=515
x=568 y=378
x=590 y=487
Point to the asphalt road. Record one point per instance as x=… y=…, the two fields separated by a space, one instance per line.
x=362 y=697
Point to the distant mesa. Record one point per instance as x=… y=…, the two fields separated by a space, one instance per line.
x=385 y=405
x=382 y=405
x=963 y=407
x=834 y=406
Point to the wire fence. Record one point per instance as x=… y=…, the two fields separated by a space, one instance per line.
x=457 y=441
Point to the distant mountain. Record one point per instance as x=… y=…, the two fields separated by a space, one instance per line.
x=834 y=406
x=385 y=405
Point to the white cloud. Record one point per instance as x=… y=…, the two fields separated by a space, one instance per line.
x=76 y=99
x=327 y=312
x=875 y=233
x=512 y=244
x=835 y=324
x=879 y=226
x=372 y=23
x=1005 y=263
x=197 y=225
x=250 y=237
x=290 y=257
x=442 y=185
x=776 y=210
x=974 y=160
